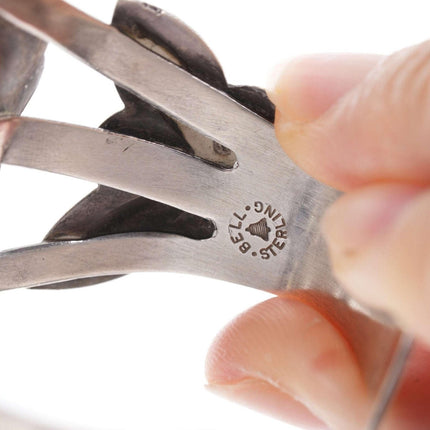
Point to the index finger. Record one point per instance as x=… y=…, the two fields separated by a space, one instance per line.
x=377 y=131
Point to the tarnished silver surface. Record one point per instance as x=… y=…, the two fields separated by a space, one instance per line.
x=264 y=211
x=20 y=67
x=172 y=177
x=264 y=174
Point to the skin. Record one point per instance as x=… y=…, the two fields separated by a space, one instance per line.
x=358 y=123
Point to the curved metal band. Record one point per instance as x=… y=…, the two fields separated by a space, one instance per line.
x=122 y=162
x=145 y=74
x=109 y=255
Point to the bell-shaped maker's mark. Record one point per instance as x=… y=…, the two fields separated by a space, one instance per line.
x=259 y=229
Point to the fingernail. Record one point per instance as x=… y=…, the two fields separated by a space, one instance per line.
x=285 y=90
x=261 y=396
x=304 y=88
x=275 y=81
x=359 y=217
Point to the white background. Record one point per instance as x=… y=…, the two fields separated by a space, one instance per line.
x=130 y=354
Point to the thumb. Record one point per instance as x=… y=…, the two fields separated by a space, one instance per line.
x=373 y=139
x=376 y=132
x=379 y=242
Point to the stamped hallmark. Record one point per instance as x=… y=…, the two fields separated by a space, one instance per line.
x=259 y=230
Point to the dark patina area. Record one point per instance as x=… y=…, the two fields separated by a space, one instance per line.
x=108 y=211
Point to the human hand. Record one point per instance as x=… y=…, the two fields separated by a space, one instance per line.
x=358 y=123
